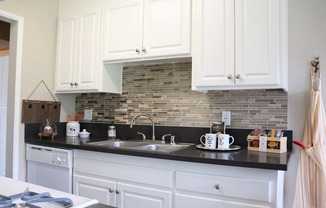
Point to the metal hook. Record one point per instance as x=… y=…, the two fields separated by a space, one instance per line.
x=315 y=64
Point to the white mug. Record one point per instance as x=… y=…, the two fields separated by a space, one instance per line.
x=210 y=141
x=224 y=141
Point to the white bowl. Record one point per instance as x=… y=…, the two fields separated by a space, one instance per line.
x=84 y=134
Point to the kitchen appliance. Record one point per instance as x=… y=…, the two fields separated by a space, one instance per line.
x=14 y=193
x=30 y=199
x=49 y=167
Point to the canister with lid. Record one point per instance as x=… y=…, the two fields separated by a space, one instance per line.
x=72 y=128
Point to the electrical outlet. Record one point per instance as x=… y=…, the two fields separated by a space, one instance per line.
x=88 y=114
x=226 y=117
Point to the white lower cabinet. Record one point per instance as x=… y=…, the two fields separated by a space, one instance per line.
x=121 y=194
x=121 y=184
x=130 y=181
x=193 y=201
x=130 y=196
x=101 y=189
x=212 y=190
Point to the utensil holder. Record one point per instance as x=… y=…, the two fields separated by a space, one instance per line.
x=267 y=144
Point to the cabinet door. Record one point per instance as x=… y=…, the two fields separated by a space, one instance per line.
x=66 y=53
x=192 y=201
x=95 y=188
x=166 y=27
x=213 y=52
x=131 y=196
x=88 y=53
x=240 y=44
x=123 y=23
x=258 y=42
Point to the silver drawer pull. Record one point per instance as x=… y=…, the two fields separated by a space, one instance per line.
x=117 y=192
x=217 y=186
x=237 y=76
x=111 y=190
x=229 y=76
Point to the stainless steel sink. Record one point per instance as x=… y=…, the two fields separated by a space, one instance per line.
x=117 y=143
x=162 y=147
x=140 y=146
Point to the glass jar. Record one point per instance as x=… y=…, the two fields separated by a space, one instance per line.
x=111 y=132
x=47 y=129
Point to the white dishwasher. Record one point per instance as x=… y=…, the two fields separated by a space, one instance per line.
x=49 y=167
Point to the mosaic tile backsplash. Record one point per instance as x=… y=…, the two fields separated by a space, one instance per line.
x=164 y=91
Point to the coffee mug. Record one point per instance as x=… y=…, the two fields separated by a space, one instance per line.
x=210 y=141
x=224 y=141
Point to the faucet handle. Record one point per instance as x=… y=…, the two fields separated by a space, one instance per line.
x=172 y=140
x=163 y=138
x=144 y=136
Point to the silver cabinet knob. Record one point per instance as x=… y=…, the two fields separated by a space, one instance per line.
x=117 y=192
x=76 y=83
x=71 y=84
x=217 y=186
x=111 y=190
x=229 y=76
x=237 y=76
x=137 y=50
x=143 y=49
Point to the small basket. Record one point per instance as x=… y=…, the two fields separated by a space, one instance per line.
x=267 y=144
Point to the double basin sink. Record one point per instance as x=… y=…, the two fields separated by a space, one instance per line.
x=140 y=145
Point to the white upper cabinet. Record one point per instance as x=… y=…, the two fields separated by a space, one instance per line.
x=79 y=66
x=123 y=23
x=146 y=29
x=239 y=44
x=78 y=51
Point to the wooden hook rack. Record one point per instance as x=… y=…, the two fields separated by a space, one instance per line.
x=36 y=111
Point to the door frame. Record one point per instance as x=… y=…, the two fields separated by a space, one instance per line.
x=14 y=147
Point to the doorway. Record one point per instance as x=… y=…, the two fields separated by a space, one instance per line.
x=4 y=66
x=13 y=147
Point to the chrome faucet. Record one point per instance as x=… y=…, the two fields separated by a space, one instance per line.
x=149 y=117
x=163 y=138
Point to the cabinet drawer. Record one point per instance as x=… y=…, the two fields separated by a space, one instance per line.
x=120 y=171
x=189 y=201
x=245 y=188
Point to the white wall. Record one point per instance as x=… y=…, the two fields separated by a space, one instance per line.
x=307 y=38
x=38 y=58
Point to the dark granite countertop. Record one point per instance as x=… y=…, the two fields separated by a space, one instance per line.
x=239 y=158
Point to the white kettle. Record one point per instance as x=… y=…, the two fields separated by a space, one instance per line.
x=73 y=128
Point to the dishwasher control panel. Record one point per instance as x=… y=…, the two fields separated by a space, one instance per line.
x=60 y=160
